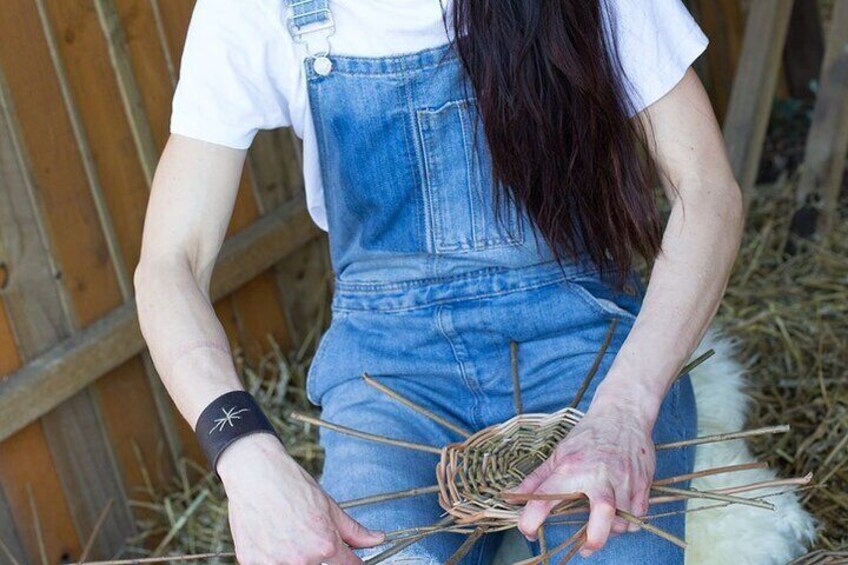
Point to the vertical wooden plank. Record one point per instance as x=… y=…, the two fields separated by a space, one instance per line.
x=74 y=431
x=110 y=22
x=147 y=153
x=26 y=461
x=804 y=51
x=117 y=182
x=9 y=359
x=174 y=16
x=827 y=142
x=754 y=86
x=151 y=62
x=724 y=23
x=36 y=315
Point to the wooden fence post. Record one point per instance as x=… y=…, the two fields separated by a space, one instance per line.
x=148 y=157
x=724 y=25
x=804 y=50
x=827 y=142
x=754 y=86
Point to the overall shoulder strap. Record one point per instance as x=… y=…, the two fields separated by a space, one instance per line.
x=311 y=23
x=308 y=16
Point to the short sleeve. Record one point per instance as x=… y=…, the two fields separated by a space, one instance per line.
x=657 y=41
x=229 y=83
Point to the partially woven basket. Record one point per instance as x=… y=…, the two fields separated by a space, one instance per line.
x=472 y=474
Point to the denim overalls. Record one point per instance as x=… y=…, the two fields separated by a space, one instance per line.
x=433 y=283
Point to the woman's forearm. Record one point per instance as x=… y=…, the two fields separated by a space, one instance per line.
x=191 y=202
x=187 y=343
x=687 y=283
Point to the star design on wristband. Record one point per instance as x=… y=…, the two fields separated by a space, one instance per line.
x=229 y=416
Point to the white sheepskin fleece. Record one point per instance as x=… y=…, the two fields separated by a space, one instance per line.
x=734 y=534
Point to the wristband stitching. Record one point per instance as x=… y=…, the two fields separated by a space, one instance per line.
x=229 y=417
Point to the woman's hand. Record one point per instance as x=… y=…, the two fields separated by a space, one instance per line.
x=608 y=457
x=279 y=515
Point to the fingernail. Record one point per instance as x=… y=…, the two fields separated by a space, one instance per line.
x=586 y=552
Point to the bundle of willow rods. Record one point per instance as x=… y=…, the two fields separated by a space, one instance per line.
x=472 y=476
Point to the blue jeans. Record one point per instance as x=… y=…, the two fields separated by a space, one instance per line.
x=448 y=349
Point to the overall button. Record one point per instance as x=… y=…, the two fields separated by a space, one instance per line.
x=322 y=65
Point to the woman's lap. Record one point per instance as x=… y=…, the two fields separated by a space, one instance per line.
x=467 y=381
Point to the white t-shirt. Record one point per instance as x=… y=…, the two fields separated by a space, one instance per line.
x=241 y=71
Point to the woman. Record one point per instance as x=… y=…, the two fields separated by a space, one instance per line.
x=477 y=192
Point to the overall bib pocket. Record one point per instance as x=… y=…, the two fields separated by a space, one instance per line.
x=458 y=183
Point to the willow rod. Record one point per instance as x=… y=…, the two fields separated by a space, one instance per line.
x=388 y=496
x=365 y=435
x=576 y=536
x=595 y=364
x=724 y=437
x=414 y=406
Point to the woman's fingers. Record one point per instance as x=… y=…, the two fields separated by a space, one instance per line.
x=533 y=516
x=622 y=502
x=535 y=512
x=639 y=506
x=601 y=514
x=351 y=531
x=342 y=556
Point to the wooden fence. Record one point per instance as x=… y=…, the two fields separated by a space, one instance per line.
x=85 y=92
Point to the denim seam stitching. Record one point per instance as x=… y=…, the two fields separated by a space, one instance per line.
x=451 y=300
x=431 y=221
x=413 y=158
x=368 y=63
x=367 y=287
x=440 y=323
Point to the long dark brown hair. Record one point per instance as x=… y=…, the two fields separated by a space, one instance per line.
x=552 y=98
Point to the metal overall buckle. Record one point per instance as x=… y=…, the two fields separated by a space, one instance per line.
x=324 y=28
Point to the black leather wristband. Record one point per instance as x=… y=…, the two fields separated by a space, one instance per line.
x=229 y=417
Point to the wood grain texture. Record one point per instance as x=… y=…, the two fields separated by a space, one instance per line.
x=117 y=186
x=46 y=381
x=827 y=142
x=40 y=314
x=16 y=230
x=754 y=86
